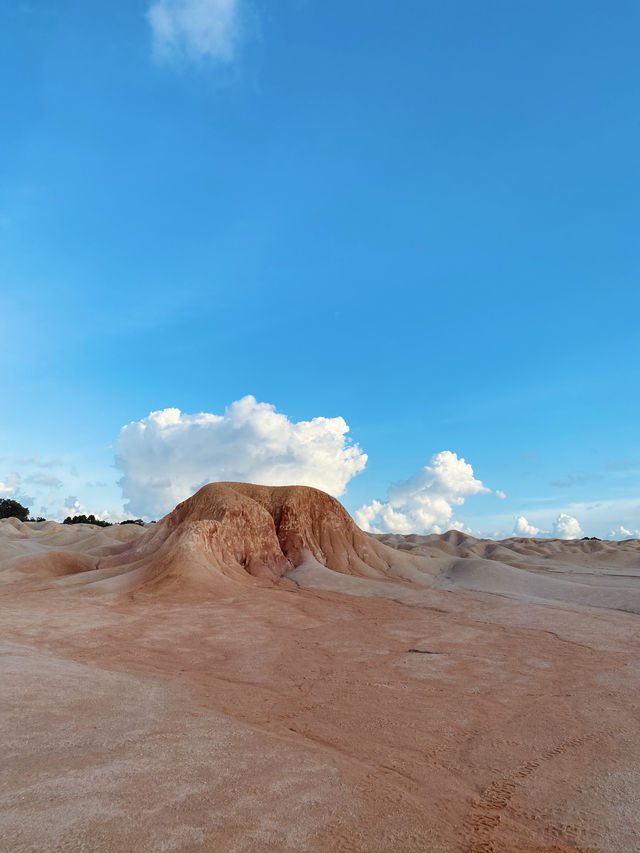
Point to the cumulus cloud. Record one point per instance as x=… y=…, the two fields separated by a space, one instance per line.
x=195 y=29
x=423 y=503
x=523 y=528
x=567 y=527
x=168 y=455
x=502 y=495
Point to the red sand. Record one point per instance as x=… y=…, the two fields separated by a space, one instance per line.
x=272 y=714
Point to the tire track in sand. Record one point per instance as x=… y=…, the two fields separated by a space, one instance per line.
x=487 y=810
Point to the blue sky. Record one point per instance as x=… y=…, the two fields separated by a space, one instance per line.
x=418 y=217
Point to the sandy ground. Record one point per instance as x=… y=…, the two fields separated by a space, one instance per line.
x=325 y=712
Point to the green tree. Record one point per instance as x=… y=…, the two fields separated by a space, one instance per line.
x=12 y=509
x=86 y=519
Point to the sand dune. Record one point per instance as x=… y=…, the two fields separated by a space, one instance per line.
x=30 y=550
x=576 y=572
x=255 y=673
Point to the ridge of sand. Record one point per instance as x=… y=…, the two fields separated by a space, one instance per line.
x=37 y=550
x=587 y=572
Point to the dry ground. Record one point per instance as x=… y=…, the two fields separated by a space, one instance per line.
x=296 y=718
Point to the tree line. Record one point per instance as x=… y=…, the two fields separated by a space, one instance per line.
x=13 y=509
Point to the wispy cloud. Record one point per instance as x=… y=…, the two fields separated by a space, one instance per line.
x=621 y=532
x=44 y=480
x=195 y=29
x=575 y=480
x=622 y=464
x=40 y=462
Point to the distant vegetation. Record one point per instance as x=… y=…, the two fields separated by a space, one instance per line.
x=86 y=519
x=91 y=519
x=13 y=509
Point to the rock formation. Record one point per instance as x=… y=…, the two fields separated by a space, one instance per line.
x=230 y=533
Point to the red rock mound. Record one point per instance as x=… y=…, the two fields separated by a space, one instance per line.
x=239 y=533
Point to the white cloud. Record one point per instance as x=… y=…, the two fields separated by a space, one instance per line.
x=502 y=495
x=72 y=506
x=424 y=503
x=367 y=515
x=9 y=485
x=113 y=516
x=50 y=478
x=622 y=532
x=523 y=528
x=195 y=29
x=567 y=527
x=168 y=455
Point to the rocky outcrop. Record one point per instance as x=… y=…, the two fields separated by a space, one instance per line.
x=238 y=533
